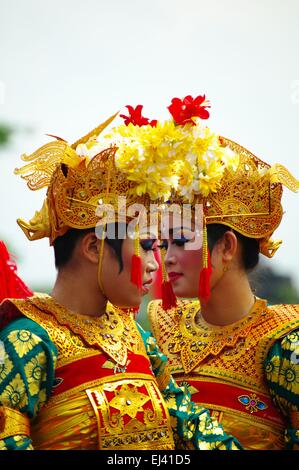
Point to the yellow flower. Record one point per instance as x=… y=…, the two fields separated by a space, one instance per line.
x=291 y=341
x=208 y=425
x=167 y=157
x=203 y=445
x=2 y=446
x=19 y=440
x=229 y=158
x=5 y=368
x=35 y=372
x=42 y=398
x=148 y=156
x=272 y=369
x=14 y=394
x=23 y=341
x=289 y=377
x=203 y=165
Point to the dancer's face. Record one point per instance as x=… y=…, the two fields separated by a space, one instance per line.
x=117 y=284
x=183 y=260
x=183 y=265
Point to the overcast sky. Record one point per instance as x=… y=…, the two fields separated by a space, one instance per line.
x=67 y=65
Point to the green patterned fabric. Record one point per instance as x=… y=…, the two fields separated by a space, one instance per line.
x=282 y=374
x=195 y=428
x=27 y=374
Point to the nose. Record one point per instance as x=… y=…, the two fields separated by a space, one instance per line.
x=170 y=258
x=152 y=264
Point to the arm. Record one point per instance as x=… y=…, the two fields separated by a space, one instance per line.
x=26 y=378
x=192 y=422
x=282 y=375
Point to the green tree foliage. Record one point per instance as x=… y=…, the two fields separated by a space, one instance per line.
x=276 y=288
x=5 y=134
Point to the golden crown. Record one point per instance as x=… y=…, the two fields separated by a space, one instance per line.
x=80 y=190
x=180 y=160
x=248 y=198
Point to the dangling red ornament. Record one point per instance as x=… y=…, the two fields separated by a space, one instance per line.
x=11 y=286
x=168 y=296
x=136 y=271
x=204 y=291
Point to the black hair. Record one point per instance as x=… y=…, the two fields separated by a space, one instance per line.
x=250 y=246
x=64 y=246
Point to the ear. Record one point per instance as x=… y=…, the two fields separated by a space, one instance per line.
x=89 y=247
x=229 y=244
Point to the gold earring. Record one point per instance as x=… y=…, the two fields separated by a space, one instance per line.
x=225 y=268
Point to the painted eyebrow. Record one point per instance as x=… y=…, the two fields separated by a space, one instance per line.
x=177 y=229
x=148 y=236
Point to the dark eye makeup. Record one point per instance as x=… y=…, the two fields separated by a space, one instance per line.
x=149 y=244
x=175 y=241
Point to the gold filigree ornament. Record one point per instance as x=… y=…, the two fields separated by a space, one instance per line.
x=248 y=198
x=82 y=191
x=131 y=415
x=181 y=164
x=195 y=339
x=115 y=332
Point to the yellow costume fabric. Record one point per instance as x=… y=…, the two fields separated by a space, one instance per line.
x=245 y=373
x=92 y=383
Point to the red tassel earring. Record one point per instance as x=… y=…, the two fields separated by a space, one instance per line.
x=205 y=274
x=136 y=266
x=168 y=296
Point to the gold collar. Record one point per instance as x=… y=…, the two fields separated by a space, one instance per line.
x=197 y=340
x=114 y=332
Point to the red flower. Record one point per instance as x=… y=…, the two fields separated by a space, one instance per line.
x=184 y=110
x=136 y=118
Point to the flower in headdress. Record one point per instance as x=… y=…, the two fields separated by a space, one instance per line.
x=149 y=155
x=135 y=117
x=184 y=110
x=164 y=156
x=202 y=168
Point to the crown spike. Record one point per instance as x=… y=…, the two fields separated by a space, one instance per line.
x=95 y=131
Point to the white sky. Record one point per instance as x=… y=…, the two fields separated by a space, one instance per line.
x=65 y=66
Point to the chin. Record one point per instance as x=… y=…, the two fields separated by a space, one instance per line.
x=180 y=291
x=129 y=303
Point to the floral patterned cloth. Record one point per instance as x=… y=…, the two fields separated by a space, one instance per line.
x=282 y=373
x=27 y=376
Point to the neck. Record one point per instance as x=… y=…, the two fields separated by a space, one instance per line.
x=231 y=300
x=77 y=294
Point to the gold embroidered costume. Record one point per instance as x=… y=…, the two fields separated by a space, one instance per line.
x=70 y=381
x=236 y=370
x=91 y=384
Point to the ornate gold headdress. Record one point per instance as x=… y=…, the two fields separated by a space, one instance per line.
x=77 y=186
x=248 y=198
x=147 y=161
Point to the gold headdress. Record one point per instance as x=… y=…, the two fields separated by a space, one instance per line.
x=78 y=186
x=248 y=198
x=180 y=160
